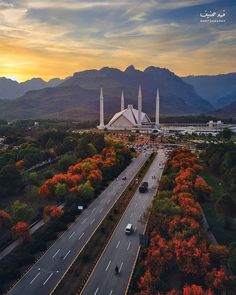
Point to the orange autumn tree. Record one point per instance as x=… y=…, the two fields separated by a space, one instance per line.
x=52 y=211
x=21 y=230
x=158 y=252
x=192 y=256
x=20 y=164
x=195 y=290
x=93 y=169
x=197 y=262
x=202 y=188
x=5 y=219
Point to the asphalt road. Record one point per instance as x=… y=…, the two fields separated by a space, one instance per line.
x=49 y=269
x=122 y=249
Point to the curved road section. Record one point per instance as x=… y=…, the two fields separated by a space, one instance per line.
x=122 y=249
x=44 y=275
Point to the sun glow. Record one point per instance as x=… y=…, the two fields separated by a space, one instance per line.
x=14 y=78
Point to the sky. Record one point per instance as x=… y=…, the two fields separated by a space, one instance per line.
x=55 y=38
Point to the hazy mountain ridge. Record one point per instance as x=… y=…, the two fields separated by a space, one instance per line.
x=228 y=111
x=213 y=87
x=10 y=89
x=226 y=100
x=79 y=95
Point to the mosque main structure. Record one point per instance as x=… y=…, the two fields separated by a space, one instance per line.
x=135 y=119
x=130 y=118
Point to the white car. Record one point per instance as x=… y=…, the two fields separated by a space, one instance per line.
x=129 y=229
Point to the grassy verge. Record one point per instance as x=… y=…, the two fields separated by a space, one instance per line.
x=80 y=270
x=214 y=217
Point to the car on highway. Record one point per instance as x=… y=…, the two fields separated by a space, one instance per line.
x=129 y=229
x=143 y=187
x=124 y=178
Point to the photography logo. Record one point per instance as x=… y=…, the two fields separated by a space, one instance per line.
x=209 y=16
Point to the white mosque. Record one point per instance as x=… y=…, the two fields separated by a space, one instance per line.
x=129 y=118
x=135 y=119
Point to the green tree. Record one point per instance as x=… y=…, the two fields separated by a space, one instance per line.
x=50 y=144
x=21 y=211
x=61 y=190
x=33 y=178
x=86 y=192
x=85 y=149
x=226 y=134
x=65 y=162
x=31 y=155
x=232 y=259
x=226 y=205
x=11 y=180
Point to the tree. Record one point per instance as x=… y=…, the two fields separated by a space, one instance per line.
x=33 y=178
x=85 y=149
x=60 y=190
x=226 y=205
x=65 y=162
x=5 y=219
x=226 y=134
x=21 y=230
x=86 y=192
x=232 y=259
x=21 y=211
x=11 y=180
x=52 y=211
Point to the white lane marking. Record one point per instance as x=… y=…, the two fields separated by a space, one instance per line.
x=71 y=235
x=94 y=210
x=96 y=291
x=135 y=229
x=81 y=236
x=121 y=266
x=131 y=215
x=48 y=279
x=108 y=201
x=108 y=265
x=66 y=255
x=56 y=253
x=35 y=278
x=128 y=246
x=84 y=220
x=117 y=244
x=140 y=215
x=101 y=210
x=92 y=221
x=111 y=292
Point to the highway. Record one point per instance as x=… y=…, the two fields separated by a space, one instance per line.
x=44 y=275
x=122 y=249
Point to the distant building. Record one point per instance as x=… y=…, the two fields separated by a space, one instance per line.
x=128 y=118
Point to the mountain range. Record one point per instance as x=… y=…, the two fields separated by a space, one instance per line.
x=228 y=111
x=10 y=89
x=217 y=89
x=78 y=96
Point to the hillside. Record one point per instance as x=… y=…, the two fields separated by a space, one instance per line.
x=228 y=111
x=10 y=89
x=212 y=88
x=78 y=96
x=226 y=100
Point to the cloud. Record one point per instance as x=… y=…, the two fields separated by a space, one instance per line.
x=59 y=37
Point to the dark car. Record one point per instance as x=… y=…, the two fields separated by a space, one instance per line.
x=143 y=187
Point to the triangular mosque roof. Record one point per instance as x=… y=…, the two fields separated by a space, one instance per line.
x=131 y=115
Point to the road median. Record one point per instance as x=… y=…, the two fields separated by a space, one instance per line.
x=82 y=266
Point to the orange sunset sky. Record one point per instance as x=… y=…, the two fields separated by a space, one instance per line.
x=57 y=38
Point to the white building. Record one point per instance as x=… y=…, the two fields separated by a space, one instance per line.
x=128 y=118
